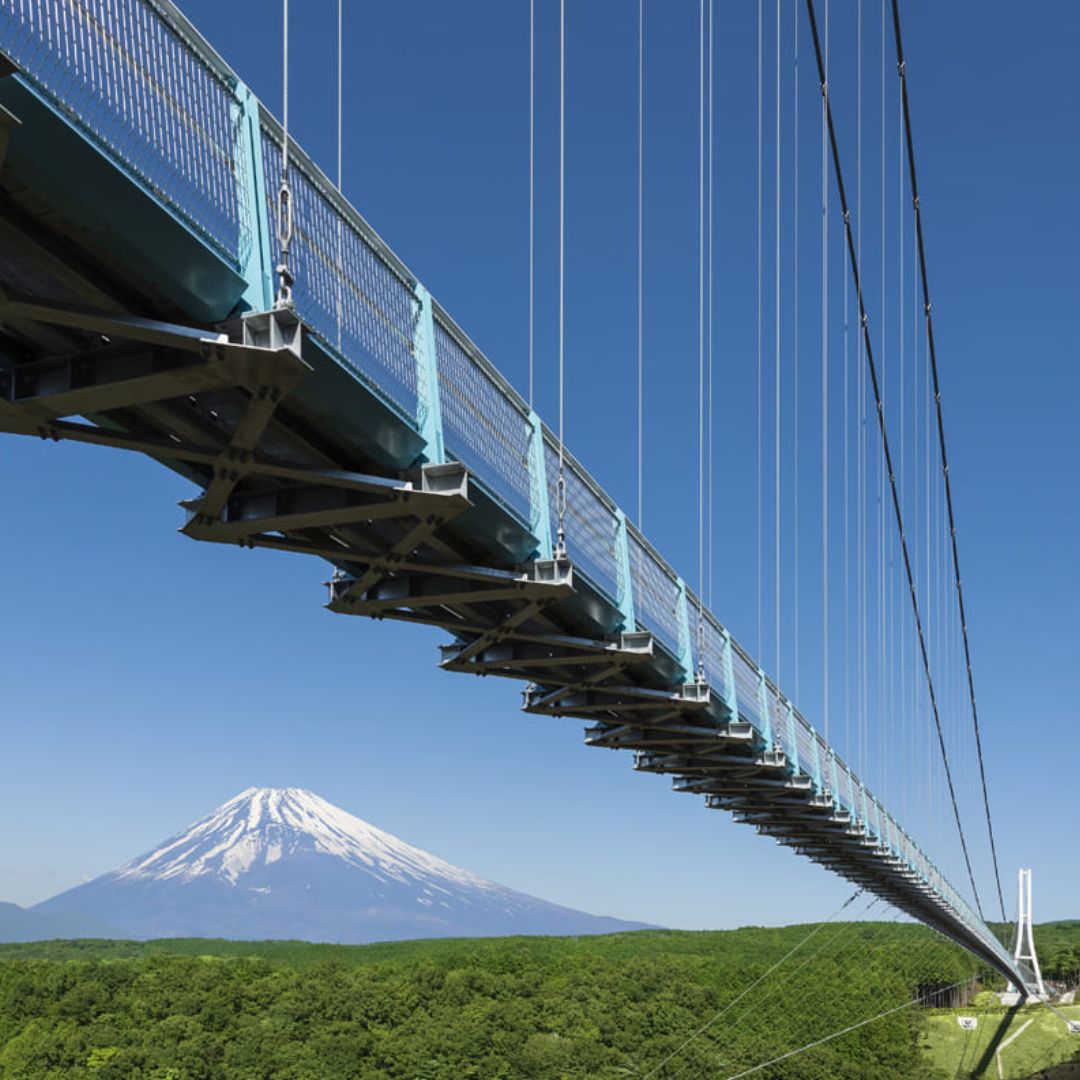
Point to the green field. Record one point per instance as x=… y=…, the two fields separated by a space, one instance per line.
x=1044 y=1042
x=613 y=1006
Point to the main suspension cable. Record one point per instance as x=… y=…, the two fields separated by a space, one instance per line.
x=928 y=315
x=872 y=366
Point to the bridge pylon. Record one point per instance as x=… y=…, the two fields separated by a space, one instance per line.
x=1024 y=951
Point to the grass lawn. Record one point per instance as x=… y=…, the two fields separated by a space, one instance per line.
x=969 y=1054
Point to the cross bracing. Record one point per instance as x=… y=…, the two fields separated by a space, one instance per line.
x=360 y=425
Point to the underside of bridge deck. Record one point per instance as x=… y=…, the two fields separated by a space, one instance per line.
x=290 y=451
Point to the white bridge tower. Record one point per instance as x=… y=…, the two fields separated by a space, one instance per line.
x=1025 y=938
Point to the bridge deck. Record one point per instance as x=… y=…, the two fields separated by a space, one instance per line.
x=361 y=426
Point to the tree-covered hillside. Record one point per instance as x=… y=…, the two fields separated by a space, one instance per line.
x=502 y=1008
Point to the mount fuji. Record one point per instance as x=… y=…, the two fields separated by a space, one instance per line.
x=284 y=863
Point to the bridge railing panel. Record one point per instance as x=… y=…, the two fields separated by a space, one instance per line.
x=783 y=726
x=748 y=684
x=657 y=596
x=355 y=300
x=592 y=526
x=484 y=428
x=713 y=651
x=810 y=760
x=121 y=72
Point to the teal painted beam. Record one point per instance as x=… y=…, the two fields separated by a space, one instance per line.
x=428 y=406
x=731 y=694
x=764 y=711
x=539 y=499
x=626 y=585
x=793 y=753
x=256 y=262
x=686 y=647
x=816 y=765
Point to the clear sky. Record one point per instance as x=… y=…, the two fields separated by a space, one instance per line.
x=148 y=678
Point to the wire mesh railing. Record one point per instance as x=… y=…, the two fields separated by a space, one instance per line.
x=484 y=428
x=358 y=304
x=147 y=90
x=121 y=73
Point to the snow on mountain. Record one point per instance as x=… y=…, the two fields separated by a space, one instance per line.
x=285 y=863
x=263 y=825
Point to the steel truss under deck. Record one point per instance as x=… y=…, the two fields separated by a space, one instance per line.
x=216 y=407
x=294 y=451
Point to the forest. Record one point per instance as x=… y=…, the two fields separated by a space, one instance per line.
x=612 y=1006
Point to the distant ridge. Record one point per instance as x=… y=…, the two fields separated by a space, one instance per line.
x=285 y=863
x=21 y=924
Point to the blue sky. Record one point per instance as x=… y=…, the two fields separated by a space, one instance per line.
x=148 y=678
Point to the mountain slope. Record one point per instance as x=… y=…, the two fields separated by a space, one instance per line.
x=21 y=924
x=284 y=863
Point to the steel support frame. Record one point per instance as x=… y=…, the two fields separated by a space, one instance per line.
x=500 y=617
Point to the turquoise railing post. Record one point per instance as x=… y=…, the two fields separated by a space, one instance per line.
x=763 y=710
x=626 y=585
x=794 y=751
x=429 y=410
x=816 y=765
x=686 y=646
x=539 y=499
x=731 y=696
x=256 y=263
x=837 y=801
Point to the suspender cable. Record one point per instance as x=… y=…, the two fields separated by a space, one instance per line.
x=560 y=489
x=872 y=367
x=285 y=209
x=532 y=198
x=641 y=268
x=825 y=389
x=795 y=342
x=776 y=364
x=901 y=245
x=340 y=223
x=902 y=72
x=760 y=396
x=860 y=431
x=709 y=347
x=884 y=725
x=339 y=6
x=700 y=650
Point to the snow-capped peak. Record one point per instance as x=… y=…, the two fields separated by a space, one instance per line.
x=260 y=826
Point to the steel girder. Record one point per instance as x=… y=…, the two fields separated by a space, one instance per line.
x=217 y=407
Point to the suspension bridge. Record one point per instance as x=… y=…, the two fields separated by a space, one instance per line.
x=162 y=293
